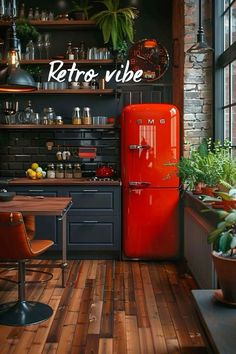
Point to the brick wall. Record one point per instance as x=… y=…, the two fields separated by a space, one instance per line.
x=197 y=77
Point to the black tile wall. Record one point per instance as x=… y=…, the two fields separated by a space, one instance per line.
x=20 y=148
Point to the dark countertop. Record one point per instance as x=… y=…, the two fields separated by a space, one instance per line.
x=218 y=321
x=61 y=182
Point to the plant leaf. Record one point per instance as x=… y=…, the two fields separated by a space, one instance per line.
x=225 y=241
x=231 y=218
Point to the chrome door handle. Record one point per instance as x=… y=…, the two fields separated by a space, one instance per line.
x=139 y=184
x=90 y=222
x=139 y=147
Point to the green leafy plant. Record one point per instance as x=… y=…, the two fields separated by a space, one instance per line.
x=26 y=32
x=35 y=71
x=82 y=6
x=223 y=237
x=116 y=23
x=211 y=163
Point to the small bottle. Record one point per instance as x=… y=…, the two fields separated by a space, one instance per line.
x=51 y=16
x=29 y=52
x=68 y=171
x=69 y=52
x=76 y=119
x=30 y=14
x=94 y=84
x=22 y=11
x=60 y=171
x=29 y=112
x=59 y=120
x=51 y=171
x=87 y=118
x=37 y=14
x=76 y=53
x=77 y=173
x=82 y=52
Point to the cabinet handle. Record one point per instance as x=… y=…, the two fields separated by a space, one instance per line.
x=90 y=222
x=90 y=190
x=36 y=190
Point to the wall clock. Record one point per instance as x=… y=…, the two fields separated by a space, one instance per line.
x=151 y=57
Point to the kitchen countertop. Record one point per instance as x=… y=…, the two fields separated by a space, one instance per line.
x=62 y=181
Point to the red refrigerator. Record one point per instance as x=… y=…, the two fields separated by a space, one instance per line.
x=149 y=141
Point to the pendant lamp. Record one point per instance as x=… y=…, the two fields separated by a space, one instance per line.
x=201 y=46
x=12 y=77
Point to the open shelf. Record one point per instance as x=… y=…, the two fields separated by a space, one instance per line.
x=65 y=61
x=57 y=126
x=69 y=92
x=57 y=24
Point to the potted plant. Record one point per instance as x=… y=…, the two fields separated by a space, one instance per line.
x=223 y=239
x=80 y=10
x=25 y=32
x=116 y=23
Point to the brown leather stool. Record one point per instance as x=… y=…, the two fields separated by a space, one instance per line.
x=16 y=246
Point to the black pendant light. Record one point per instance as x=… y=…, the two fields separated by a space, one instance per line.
x=12 y=77
x=201 y=45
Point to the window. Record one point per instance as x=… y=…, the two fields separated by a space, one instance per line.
x=225 y=70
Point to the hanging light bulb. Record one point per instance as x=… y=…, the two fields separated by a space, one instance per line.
x=201 y=46
x=12 y=77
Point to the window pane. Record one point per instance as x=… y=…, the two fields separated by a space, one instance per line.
x=233 y=23
x=227 y=85
x=226 y=3
x=226 y=30
x=233 y=93
x=226 y=124
x=233 y=113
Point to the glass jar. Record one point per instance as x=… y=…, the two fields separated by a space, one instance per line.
x=76 y=119
x=87 y=118
x=77 y=173
x=68 y=171
x=60 y=171
x=51 y=171
x=50 y=114
x=59 y=120
x=76 y=53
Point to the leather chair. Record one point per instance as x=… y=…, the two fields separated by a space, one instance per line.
x=16 y=246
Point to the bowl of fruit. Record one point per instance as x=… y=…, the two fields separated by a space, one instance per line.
x=35 y=172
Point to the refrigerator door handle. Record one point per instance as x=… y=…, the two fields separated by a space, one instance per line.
x=135 y=184
x=138 y=147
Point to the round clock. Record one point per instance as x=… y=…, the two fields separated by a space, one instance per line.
x=151 y=57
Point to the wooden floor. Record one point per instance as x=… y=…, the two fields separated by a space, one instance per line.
x=110 y=307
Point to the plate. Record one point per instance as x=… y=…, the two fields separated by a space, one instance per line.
x=218 y=295
x=6 y=196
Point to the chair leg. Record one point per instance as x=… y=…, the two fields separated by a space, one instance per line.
x=22 y=312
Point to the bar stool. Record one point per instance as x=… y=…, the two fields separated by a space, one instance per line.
x=16 y=246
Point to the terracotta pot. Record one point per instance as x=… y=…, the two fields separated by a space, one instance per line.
x=209 y=191
x=226 y=273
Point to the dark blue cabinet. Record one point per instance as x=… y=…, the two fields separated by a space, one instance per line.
x=93 y=222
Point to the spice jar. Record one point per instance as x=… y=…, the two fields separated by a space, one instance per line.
x=87 y=118
x=58 y=120
x=77 y=173
x=51 y=171
x=76 y=119
x=59 y=171
x=68 y=171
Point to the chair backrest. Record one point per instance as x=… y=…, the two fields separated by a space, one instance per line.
x=14 y=243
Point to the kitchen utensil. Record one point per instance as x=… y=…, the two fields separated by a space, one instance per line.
x=87 y=152
x=104 y=171
x=6 y=196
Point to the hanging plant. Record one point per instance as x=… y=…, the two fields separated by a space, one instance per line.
x=116 y=24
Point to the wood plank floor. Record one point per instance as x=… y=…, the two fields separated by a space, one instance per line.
x=109 y=307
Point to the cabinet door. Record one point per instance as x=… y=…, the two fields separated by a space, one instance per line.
x=93 y=233
x=46 y=227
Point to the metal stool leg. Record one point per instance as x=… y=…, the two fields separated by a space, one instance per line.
x=22 y=312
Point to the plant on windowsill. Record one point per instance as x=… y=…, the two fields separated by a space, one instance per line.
x=223 y=239
x=210 y=165
x=116 y=24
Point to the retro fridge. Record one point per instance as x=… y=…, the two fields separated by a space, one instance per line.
x=149 y=145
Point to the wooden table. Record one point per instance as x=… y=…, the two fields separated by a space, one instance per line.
x=218 y=322
x=40 y=205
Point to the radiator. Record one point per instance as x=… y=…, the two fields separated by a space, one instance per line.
x=197 y=251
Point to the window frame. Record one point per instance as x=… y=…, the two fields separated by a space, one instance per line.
x=222 y=58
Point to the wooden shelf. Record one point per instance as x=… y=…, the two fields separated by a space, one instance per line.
x=57 y=24
x=57 y=126
x=69 y=92
x=65 y=61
